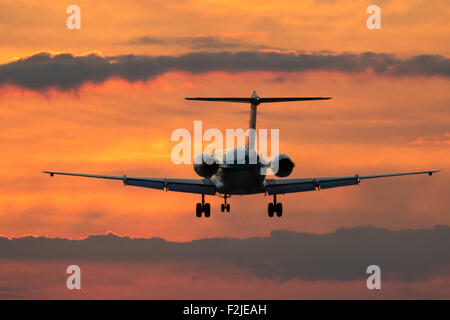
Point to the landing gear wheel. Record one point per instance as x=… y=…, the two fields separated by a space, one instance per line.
x=270 y=209
x=207 y=210
x=198 y=210
x=225 y=206
x=279 y=209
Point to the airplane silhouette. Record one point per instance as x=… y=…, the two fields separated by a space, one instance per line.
x=242 y=176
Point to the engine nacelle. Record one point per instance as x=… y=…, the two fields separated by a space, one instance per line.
x=205 y=165
x=282 y=165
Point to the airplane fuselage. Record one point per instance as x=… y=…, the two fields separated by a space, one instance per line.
x=240 y=176
x=239 y=179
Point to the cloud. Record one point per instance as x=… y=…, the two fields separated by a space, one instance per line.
x=432 y=139
x=197 y=42
x=66 y=71
x=8 y=292
x=342 y=255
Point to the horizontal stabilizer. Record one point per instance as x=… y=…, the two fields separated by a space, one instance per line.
x=242 y=100
x=258 y=100
x=264 y=100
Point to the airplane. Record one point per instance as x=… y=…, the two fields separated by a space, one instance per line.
x=243 y=177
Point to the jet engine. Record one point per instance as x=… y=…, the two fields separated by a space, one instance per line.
x=282 y=165
x=205 y=165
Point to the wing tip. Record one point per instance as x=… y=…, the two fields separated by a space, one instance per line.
x=430 y=173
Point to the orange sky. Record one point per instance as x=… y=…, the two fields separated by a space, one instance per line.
x=374 y=124
x=418 y=26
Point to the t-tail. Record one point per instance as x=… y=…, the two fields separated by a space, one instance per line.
x=255 y=101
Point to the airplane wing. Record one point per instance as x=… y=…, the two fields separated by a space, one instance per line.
x=201 y=186
x=280 y=186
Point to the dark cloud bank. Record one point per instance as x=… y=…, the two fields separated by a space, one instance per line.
x=341 y=255
x=65 y=71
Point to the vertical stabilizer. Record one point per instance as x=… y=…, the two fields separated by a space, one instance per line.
x=252 y=123
x=254 y=101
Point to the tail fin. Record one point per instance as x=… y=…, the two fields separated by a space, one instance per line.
x=255 y=100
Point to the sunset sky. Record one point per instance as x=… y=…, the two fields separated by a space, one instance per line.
x=105 y=99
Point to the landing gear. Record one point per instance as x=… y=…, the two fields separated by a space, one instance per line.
x=203 y=208
x=207 y=210
x=275 y=207
x=225 y=206
x=270 y=209
x=279 y=209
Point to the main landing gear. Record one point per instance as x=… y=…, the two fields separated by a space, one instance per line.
x=225 y=206
x=275 y=207
x=203 y=207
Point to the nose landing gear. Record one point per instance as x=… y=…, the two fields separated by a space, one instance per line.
x=275 y=207
x=203 y=208
x=225 y=206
